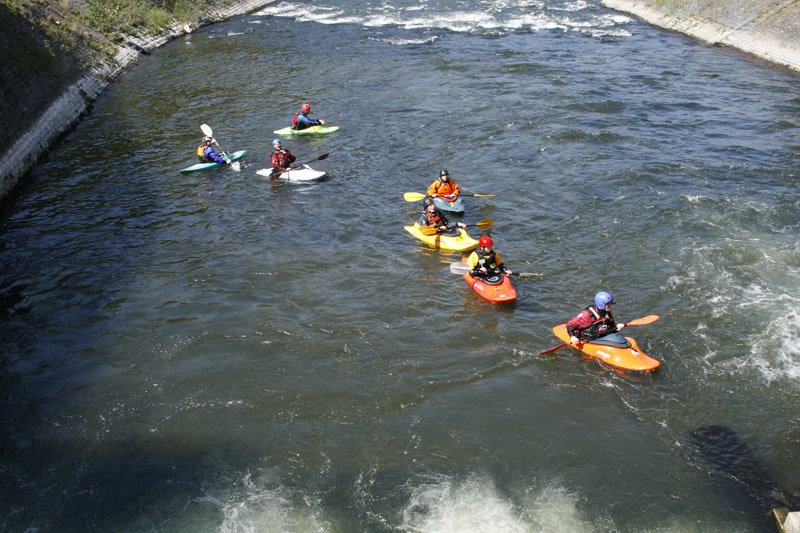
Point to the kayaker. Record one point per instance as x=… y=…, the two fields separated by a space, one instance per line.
x=484 y=261
x=435 y=218
x=444 y=186
x=207 y=154
x=280 y=158
x=301 y=120
x=594 y=321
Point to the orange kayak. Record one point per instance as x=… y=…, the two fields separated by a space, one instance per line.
x=628 y=358
x=496 y=289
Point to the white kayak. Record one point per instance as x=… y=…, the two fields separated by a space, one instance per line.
x=306 y=173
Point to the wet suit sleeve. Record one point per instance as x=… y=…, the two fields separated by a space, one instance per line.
x=212 y=155
x=582 y=321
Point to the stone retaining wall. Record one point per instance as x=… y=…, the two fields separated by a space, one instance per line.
x=65 y=112
x=769 y=29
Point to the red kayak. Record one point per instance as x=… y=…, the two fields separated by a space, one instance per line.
x=496 y=289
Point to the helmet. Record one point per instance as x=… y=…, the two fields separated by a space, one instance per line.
x=485 y=242
x=276 y=142
x=427 y=201
x=208 y=139
x=443 y=172
x=305 y=108
x=602 y=298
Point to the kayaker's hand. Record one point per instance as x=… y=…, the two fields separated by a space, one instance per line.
x=508 y=272
x=620 y=326
x=573 y=340
x=321 y=122
x=461 y=225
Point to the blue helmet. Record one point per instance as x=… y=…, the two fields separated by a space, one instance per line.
x=602 y=298
x=276 y=142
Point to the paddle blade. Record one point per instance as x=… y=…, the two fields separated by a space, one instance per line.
x=525 y=275
x=476 y=195
x=206 y=130
x=413 y=196
x=460 y=268
x=323 y=156
x=649 y=319
x=551 y=350
x=428 y=230
x=236 y=167
x=485 y=223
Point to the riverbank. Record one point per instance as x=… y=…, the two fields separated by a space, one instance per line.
x=64 y=72
x=767 y=29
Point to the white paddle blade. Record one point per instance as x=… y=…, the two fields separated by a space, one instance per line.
x=459 y=268
x=236 y=167
x=206 y=130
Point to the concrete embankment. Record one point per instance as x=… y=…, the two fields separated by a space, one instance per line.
x=59 y=115
x=768 y=29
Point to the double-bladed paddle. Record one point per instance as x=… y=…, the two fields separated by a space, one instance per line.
x=417 y=196
x=463 y=268
x=430 y=230
x=207 y=131
x=635 y=322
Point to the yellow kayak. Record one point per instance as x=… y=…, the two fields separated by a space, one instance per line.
x=459 y=241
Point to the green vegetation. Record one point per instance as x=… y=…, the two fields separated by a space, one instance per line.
x=50 y=44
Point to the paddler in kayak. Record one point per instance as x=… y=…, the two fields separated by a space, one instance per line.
x=596 y=321
x=207 y=154
x=484 y=261
x=280 y=158
x=301 y=120
x=435 y=218
x=444 y=187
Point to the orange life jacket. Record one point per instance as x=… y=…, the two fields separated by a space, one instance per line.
x=434 y=219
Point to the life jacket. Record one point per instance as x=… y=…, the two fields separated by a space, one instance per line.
x=487 y=260
x=434 y=219
x=281 y=158
x=442 y=187
x=202 y=154
x=599 y=326
x=294 y=119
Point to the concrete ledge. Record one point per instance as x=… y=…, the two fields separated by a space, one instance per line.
x=73 y=103
x=764 y=28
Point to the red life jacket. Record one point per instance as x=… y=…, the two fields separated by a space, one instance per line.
x=600 y=324
x=294 y=119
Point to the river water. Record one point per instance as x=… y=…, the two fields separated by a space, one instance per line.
x=212 y=352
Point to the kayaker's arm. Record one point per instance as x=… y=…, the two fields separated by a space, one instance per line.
x=210 y=153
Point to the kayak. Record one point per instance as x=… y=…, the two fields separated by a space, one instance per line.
x=311 y=130
x=496 y=289
x=629 y=357
x=456 y=206
x=456 y=239
x=306 y=173
x=208 y=166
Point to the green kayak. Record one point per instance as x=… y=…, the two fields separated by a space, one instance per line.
x=208 y=166
x=311 y=130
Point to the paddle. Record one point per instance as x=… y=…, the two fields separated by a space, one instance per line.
x=417 y=196
x=430 y=230
x=649 y=319
x=275 y=172
x=463 y=268
x=207 y=131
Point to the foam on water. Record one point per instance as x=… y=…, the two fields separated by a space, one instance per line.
x=475 y=504
x=258 y=504
x=495 y=17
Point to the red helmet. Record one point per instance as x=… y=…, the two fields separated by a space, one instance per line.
x=305 y=108
x=485 y=242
